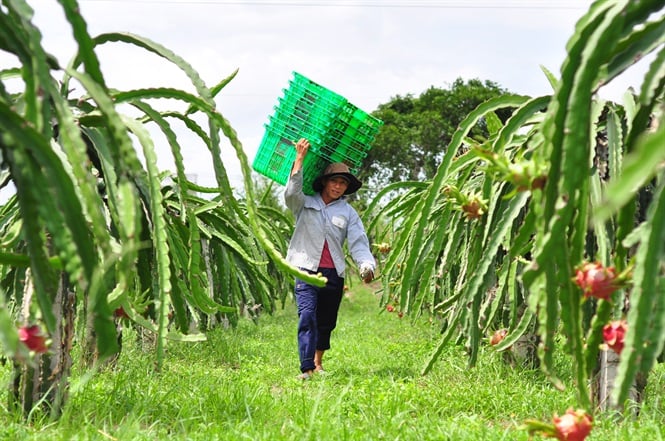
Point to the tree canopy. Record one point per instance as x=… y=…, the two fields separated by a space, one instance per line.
x=417 y=130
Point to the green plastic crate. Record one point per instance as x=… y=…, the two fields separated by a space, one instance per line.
x=301 y=85
x=337 y=130
x=294 y=122
x=275 y=156
x=335 y=150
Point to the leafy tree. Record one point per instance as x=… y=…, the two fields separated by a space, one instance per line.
x=416 y=130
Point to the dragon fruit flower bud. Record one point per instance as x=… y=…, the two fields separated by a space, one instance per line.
x=473 y=209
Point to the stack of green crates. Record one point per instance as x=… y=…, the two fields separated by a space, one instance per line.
x=337 y=130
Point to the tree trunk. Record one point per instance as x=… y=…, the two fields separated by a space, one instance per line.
x=603 y=385
x=45 y=379
x=608 y=363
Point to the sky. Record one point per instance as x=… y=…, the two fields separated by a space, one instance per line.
x=367 y=51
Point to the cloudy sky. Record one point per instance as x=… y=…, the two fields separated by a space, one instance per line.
x=367 y=51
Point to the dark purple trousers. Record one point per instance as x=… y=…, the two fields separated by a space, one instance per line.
x=317 y=313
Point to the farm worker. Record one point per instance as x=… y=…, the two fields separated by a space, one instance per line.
x=323 y=222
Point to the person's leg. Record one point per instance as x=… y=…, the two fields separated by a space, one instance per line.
x=306 y=300
x=318 y=360
x=329 y=300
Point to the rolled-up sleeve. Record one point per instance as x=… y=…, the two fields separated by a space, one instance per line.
x=293 y=195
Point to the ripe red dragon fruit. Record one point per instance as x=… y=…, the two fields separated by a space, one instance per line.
x=596 y=280
x=32 y=337
x=498 y=336
x=574 y=425
x=613 y=335
x=120 y=313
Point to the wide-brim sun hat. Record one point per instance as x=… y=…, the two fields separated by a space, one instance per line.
x=337 y=169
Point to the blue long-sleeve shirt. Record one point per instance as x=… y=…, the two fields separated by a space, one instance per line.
x=317 y=222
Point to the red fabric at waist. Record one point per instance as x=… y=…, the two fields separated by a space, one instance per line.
x=326 y=259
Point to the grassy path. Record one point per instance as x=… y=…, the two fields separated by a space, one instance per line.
x=241 y=385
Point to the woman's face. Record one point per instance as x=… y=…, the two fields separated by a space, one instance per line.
x=334 y=188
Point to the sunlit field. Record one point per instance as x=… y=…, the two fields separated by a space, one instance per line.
x=241 y=385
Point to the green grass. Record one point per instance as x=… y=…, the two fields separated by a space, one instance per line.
x=241 y=385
